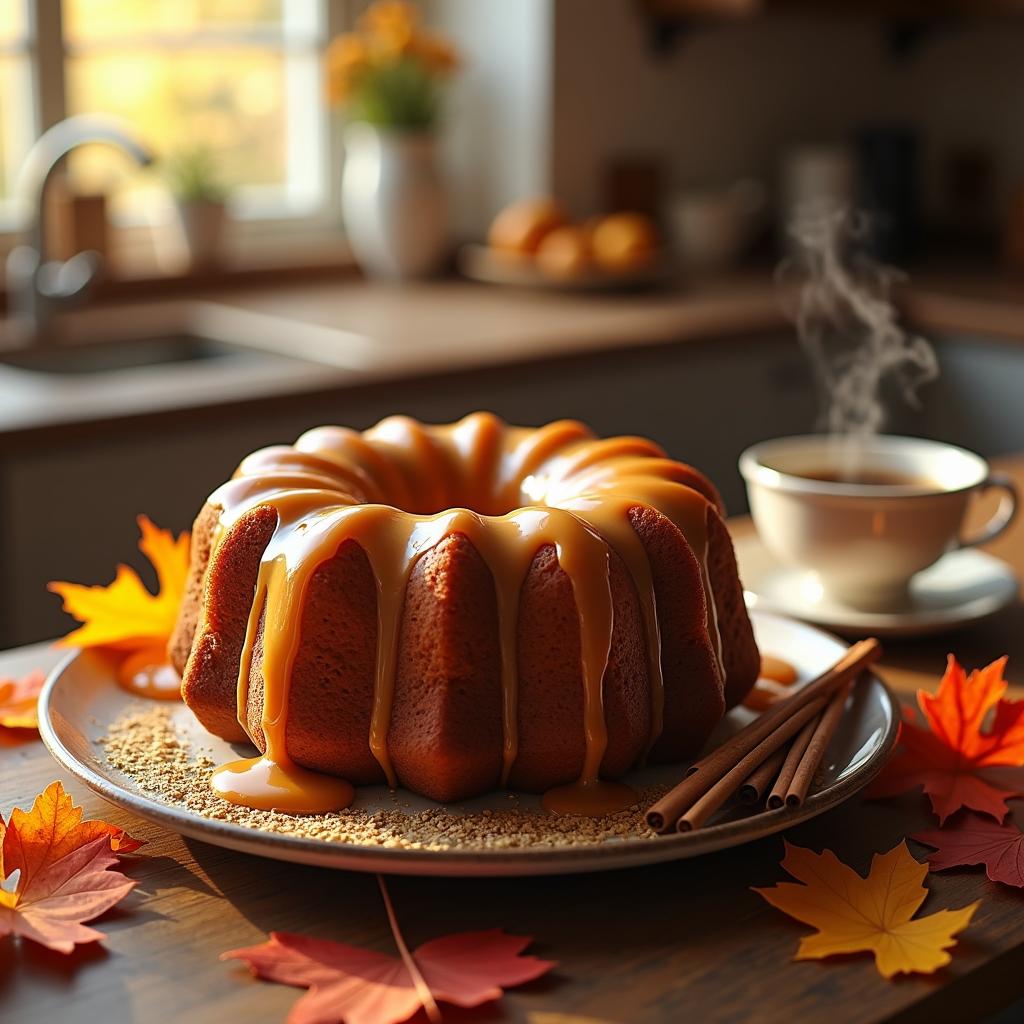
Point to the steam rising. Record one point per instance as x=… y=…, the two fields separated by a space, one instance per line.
x=847 y=324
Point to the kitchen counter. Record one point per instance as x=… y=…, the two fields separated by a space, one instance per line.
x=453 y=324
x=353 y=333
x=452 y=317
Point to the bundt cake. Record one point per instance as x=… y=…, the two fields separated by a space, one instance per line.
x=457 y=608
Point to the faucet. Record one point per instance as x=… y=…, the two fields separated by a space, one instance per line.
x=37 y=287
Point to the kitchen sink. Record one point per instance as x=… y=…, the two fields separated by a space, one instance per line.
x=118 y=361
x=107 y=357
x=181 y=338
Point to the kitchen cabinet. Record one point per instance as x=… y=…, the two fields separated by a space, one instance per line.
x=907 y=23
x=978 y=399
x=903 y=10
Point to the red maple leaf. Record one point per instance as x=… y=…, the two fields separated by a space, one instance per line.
x=952 y=758
x=360 y=986
x=975 y=840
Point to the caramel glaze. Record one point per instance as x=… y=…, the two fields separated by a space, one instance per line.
x=778 y=670
x=775 y=675
x=146 y=674
x=402 y=487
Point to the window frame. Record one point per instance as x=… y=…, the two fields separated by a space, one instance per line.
x=46 y=50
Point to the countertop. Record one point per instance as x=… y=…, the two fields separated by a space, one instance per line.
x=332 y=337
x=462 y=319
x=683 y=941
x=351 y=333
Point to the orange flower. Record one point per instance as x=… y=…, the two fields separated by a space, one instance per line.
x=347 y=59
x=437 y=54
x=391 y=24
x=388 y=52
x=385 y=16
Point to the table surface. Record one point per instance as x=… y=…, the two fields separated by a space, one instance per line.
x=687 y=940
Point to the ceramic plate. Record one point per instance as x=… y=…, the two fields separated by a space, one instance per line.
x=81 y=699
x=961 y=588
x=482 y=263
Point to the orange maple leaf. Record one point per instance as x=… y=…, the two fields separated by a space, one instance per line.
x=952 y=759
x=873 y=914
x=361 y=986
x=19 y=700
x=125 y=615
x=62 y=865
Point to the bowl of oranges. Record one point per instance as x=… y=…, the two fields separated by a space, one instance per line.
x=534 y=243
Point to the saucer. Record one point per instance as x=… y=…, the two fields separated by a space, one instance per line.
x=961 y=588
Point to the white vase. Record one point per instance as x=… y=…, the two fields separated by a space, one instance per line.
x=393 y=202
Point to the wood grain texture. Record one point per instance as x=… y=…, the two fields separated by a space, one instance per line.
x=685 y=941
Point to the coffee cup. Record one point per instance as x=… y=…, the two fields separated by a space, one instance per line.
x=867 y=514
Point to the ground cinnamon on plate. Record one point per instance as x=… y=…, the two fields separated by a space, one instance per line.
x=145 y=746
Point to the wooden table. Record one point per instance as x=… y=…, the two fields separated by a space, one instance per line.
x=686 y=941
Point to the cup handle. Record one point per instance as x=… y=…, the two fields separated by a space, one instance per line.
x=1005 y=513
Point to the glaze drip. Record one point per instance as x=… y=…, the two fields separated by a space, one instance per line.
x=146 y=674
x=401 y=488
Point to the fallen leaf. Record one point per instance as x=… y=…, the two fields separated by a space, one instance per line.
x=360 y=986
x=873 y=914
x=949 y=758
x=975 y=840
x=542 y=1017
x=62 y=864
x=19 y=699
x=51 y=830
x=125 y=615
x=52 y=909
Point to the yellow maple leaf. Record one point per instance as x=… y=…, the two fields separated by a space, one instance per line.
x=125 y=615
x=873 y=914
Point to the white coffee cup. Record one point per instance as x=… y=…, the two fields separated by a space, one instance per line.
x=866 y=540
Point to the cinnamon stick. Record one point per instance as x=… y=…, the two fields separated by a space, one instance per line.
x=761 y=778
x=815 y=752
x=702 y=809
x=712 y=768
x=777 y=797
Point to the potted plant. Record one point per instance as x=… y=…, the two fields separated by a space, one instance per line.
x=388 y=77
x=200 y=196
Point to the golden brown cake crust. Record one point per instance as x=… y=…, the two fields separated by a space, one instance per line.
x=210 y=679
x=446 y=730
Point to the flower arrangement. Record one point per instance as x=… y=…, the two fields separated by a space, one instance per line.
x=389 y=72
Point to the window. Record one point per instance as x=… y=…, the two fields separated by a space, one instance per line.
x=17 y=115
x=242 y=76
